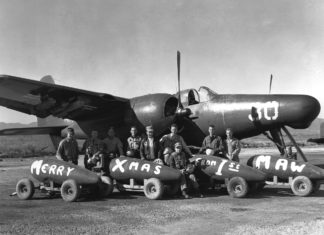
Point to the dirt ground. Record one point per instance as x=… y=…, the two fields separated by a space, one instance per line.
x=273 y=211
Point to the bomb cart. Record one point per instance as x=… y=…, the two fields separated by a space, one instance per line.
x=238 y=178
x=55 y=176
x=135 y=174
x=303 y=178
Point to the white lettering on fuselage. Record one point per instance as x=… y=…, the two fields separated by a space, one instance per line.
x=135 y=166
x=280 y=164
x=38 y=167
x=265 y=107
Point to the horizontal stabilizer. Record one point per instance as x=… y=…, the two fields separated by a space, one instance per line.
x=54 y=130
x=317 y=141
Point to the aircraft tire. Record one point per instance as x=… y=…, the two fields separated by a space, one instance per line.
x=106 y=186
x=70 y=190
x=25 y=189
x=153 y=188
x=302 y=186
x=237 y=187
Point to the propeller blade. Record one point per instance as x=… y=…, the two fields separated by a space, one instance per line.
x=270 y=84
x=178 y=67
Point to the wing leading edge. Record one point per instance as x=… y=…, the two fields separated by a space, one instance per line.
x=43 y=99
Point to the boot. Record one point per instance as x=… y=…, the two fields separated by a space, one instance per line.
x=185 y=195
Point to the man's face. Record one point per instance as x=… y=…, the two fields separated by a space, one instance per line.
x=133 y=131
x=178 y=149
x=94 y=134
x=111 y=132
x=150 y=133
x=70 y=134
x=229 y=134
x=174 y=130
x=211 y=131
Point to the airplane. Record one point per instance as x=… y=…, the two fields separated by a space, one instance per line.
x=192 y=110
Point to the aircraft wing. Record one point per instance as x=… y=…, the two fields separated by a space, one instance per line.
x=54 y=130
x=44 y=99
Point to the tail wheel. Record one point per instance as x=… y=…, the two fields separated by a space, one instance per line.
x=153 y=188
x=25 y=189
x=106 y=186
x=302 y=186
x=237 y=187
x=70 y=190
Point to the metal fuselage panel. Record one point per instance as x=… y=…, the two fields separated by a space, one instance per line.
x=248 y=118
x=247 y=115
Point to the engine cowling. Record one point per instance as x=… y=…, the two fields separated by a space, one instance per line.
x=156 y=110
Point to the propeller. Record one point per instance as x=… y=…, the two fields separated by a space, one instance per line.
x=181 y=112
x=270 y=84
x=180 y=106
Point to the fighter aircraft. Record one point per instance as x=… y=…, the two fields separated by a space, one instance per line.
x=193 y=110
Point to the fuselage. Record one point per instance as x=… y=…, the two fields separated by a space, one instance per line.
x=247 y=115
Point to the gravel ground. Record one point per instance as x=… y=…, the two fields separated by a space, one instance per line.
x=273 y=211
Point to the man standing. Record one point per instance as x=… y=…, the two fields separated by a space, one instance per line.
x=149 y=149
x=171 y=139
x=212 y=142
x=113 y=145
x=179 y=161
x=133 y=144
x=68 y=148
x=232 y=146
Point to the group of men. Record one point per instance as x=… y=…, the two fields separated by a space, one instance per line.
x=170 y=150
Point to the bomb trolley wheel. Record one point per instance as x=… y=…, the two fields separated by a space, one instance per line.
x=153 y=188
x=70 y=190
x=25 y=189
x=237 y=187
x=302 y=186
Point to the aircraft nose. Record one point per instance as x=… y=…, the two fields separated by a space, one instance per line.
x=301 y=110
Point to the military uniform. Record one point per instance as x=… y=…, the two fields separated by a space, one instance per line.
x=89 y=148
x=68 y=151
x=113 y=146
x=180 y=162
x=212 y=142
x=232 y=147
x=149 y=149
x=170 y=140
x=133 y=144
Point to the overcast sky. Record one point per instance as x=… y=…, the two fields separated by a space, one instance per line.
x=128 y=48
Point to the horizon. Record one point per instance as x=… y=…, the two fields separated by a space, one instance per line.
x=129 y=48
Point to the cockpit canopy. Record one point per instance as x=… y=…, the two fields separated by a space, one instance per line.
x=192 y=96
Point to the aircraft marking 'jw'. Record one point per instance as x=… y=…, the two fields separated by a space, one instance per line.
x=193 y=110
